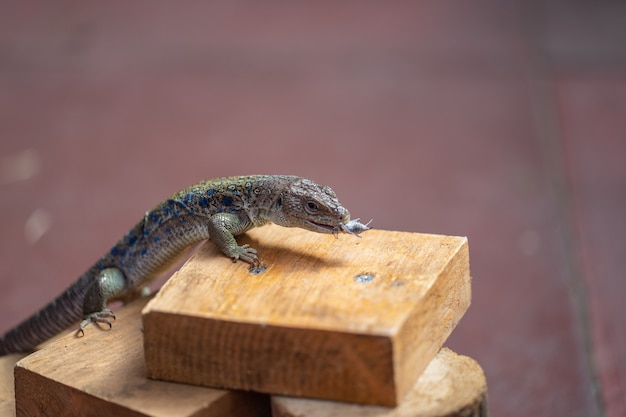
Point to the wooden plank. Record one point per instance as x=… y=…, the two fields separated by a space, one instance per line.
x=7 y=393
x=7 y=390
x=311 y=325
x=103 y=373
x=451 y=386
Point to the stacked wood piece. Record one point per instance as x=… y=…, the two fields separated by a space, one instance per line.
x=359 y=321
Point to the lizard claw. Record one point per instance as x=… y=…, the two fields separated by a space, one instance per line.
x=98 y=318
x=246 y=254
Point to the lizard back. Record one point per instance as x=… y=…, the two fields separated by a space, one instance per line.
x=151 y=245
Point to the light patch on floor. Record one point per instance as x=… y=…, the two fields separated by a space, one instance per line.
x=19 y=166
x=37 y=224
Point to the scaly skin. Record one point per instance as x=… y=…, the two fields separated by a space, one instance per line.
x=218 y=210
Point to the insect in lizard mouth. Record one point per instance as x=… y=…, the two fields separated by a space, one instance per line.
x=325 y=227
x=353 y=227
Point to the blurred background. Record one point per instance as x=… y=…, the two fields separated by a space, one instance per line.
x=503 y=121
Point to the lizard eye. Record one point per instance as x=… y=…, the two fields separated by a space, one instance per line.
x=312 y=206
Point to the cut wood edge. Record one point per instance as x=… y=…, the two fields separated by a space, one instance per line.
x=212 y=308
x=103 y=373
x=451 y=386
x=7 y=390
x=7 y=379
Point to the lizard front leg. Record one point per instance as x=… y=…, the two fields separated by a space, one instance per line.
x=222 y=230
x=109 y=283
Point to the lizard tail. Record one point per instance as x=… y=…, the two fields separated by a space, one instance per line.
x=57 y=316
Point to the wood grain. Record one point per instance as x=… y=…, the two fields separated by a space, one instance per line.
x=307 y=326
x=7 y=393
x=103 y=373
x=451 y=386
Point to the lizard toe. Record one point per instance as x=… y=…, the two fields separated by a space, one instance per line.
x=98 y=318
x=246 y=254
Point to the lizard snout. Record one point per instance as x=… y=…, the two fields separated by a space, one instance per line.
x=344 y=214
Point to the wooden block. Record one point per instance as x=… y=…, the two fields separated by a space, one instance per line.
x=7 y=393
x=451 y=386
x=312 y=324
x=103 y=373
x=7 y=390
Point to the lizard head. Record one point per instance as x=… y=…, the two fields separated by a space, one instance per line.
x=308 y=205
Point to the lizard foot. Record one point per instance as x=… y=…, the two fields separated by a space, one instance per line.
x=101 y=317
x=246 y=254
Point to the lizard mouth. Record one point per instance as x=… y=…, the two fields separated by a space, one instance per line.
x=324 y=228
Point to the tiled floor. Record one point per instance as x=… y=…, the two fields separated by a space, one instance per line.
x=502 y=121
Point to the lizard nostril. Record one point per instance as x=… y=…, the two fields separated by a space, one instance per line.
x=344 y=214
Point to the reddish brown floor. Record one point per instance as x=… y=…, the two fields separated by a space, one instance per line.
x=502 y=121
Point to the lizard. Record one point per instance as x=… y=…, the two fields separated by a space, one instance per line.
x=215 y=210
